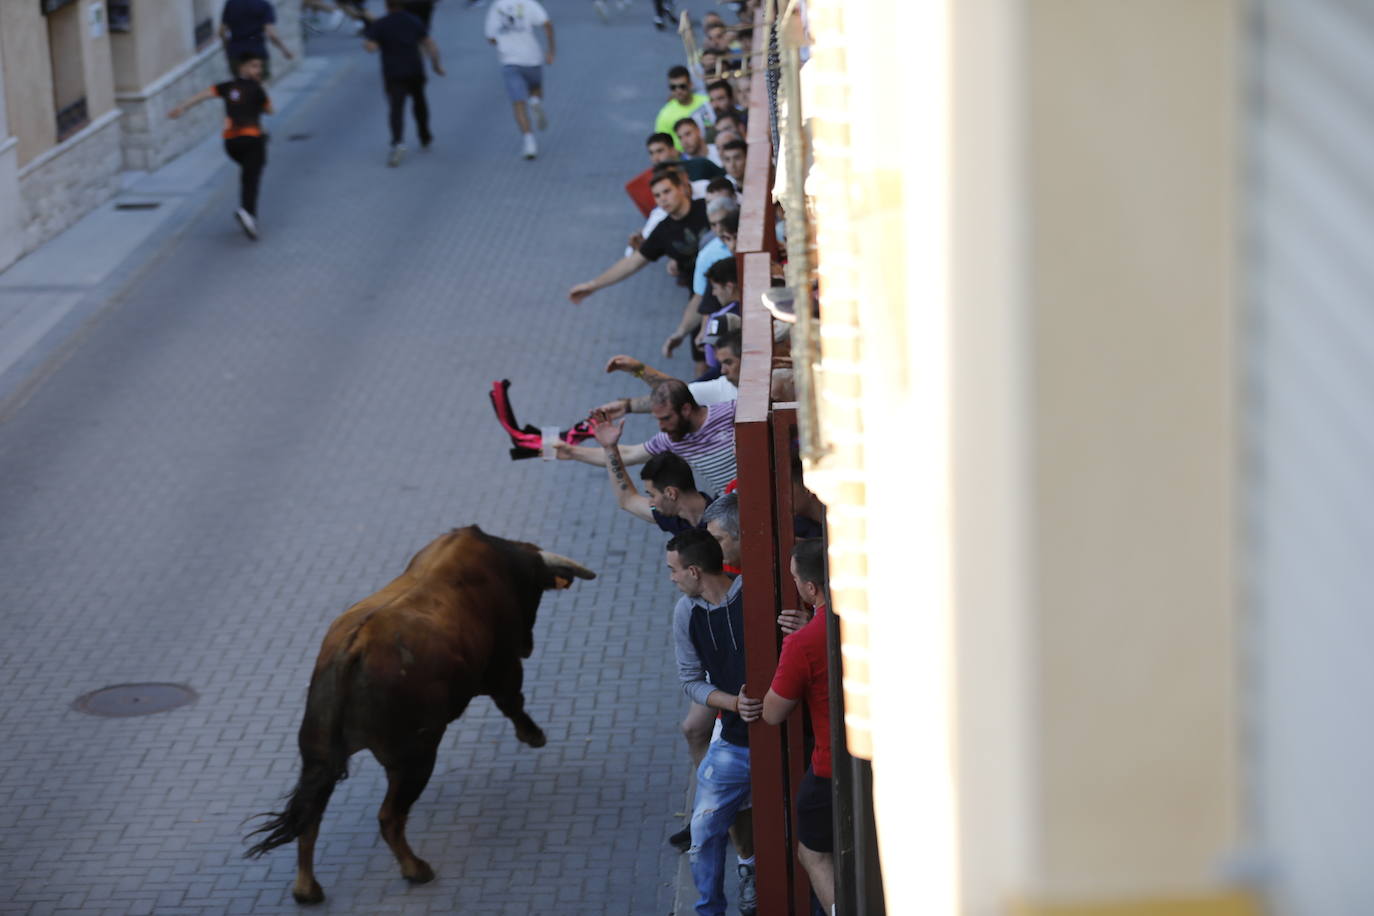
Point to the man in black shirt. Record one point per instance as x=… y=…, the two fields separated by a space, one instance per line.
x=245 y=27
x=400 y=37
x=245 y=102
x=678 y=236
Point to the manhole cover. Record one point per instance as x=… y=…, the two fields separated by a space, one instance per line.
x=134 y=699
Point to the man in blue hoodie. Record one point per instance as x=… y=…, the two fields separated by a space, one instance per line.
x=708 y=633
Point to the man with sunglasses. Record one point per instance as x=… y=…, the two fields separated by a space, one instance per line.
x=683 y=102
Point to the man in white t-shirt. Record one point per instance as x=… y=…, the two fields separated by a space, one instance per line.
x=510 y=26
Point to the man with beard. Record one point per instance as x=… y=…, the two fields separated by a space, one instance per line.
x=703 y=436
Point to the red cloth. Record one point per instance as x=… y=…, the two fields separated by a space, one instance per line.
x=640 y=192
x=804 y=673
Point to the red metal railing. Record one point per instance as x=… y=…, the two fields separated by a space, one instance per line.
x=763 y=435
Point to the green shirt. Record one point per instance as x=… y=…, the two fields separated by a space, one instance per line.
x=699 y=110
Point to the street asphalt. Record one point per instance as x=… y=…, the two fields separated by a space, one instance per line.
x=240 y=439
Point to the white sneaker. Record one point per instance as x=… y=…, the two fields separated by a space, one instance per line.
x=541 y=120
x=334 y=19
x=529 y=146
x=250 y=225
x=398 y=152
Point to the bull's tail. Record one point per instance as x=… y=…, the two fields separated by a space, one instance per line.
x=324 y=761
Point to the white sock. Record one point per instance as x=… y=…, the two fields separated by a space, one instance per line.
x=748 y=861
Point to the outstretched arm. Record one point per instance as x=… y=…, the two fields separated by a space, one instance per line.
x=275 y=38
x=651 y=376
x=618 y=408
x=608 y=435
x=634 y=454
x=204 y=95
x=686 y=326
x=611 y=275
x=431 y=50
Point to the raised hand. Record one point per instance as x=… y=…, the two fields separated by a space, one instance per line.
x=606 y=430
x=624 y=364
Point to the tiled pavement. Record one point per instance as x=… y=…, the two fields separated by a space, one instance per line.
x=255 y=435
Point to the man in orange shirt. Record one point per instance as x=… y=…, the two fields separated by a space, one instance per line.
x=245 y=102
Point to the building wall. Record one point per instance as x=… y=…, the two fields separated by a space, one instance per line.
x=9 y=178
x=129 y=81
x=1132 y=170
x=70 y=180
x=97 y=61
x=150 y=137
x=160 y=38
x=28 y=77
x=158 y=65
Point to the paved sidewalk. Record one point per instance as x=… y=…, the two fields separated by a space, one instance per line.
x=215 y=445
x=47 y=296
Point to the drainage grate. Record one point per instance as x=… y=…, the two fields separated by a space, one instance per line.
x=138 y=205
x=124 y=700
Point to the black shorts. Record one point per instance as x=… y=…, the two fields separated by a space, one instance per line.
x=814 y=827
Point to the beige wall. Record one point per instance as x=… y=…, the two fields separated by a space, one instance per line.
x=98 y=64
x=27 y=40
x=1132 y=175
x=28 y=77
x=161 y=37
x=10 y=201
x=66 y=46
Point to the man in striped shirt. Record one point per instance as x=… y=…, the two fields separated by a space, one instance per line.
x=703 y=436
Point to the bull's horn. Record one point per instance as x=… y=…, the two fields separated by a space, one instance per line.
x=557 y=563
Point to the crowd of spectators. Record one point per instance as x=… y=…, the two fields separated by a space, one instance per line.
x=697 y=158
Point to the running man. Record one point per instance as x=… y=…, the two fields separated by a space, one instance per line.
x=510 y=26
x=400 y=36
x=245 y=102
x=245 y=27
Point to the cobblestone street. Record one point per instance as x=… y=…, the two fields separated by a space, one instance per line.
x=253 y=436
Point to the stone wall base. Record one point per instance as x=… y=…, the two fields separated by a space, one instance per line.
x=11 y=205
x=151 y=139
x=69 y=181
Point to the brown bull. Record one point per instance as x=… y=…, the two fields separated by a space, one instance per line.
x=396 y=668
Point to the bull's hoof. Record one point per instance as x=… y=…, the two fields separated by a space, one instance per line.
x=312 y=893
x=419 y=873
x=534 y=737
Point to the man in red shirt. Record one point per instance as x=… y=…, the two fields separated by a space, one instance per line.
x=803 y=673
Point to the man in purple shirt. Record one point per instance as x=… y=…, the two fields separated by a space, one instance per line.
x=703 y=436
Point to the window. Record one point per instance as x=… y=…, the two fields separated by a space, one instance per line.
x=68 y=74
x=203 y=14
x=120 y=15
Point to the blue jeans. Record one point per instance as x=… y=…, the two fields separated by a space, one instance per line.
x=722 y=789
